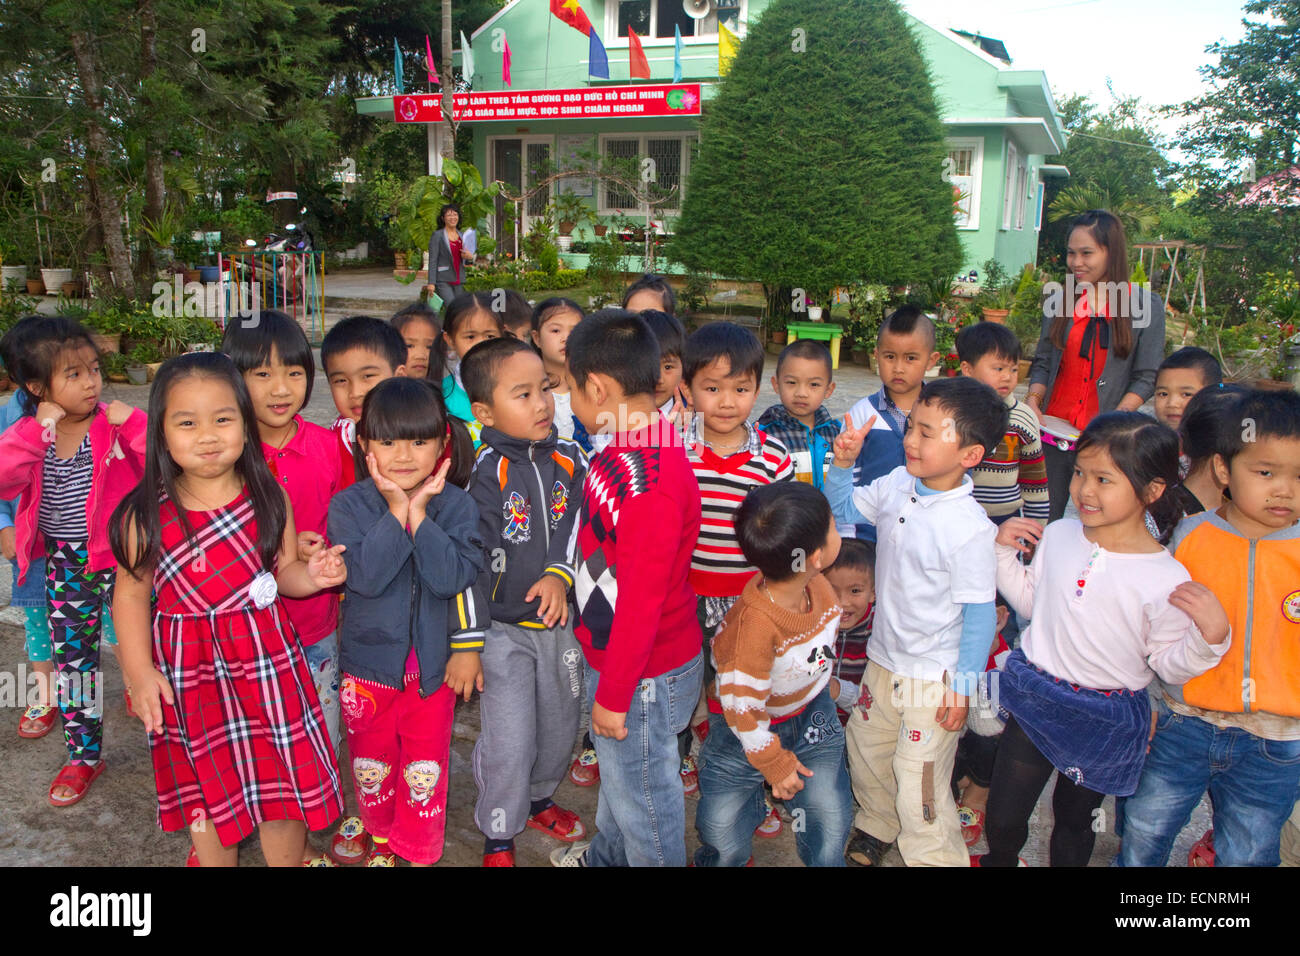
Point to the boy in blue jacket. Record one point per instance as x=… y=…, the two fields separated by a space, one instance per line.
x=527 y=484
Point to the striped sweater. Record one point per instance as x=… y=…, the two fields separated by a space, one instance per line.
x=771 y=663
x=1013 y=479
x=718 y=568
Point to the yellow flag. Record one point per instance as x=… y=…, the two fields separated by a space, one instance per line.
x=728 y=43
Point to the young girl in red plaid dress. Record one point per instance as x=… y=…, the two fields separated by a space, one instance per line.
x=236 y=732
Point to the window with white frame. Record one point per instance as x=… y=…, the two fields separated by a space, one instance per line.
x=671 y=155
x=962 y=169
x=1009 y=185
x=1038 y=213
x=1022 y=190
x=657 y=18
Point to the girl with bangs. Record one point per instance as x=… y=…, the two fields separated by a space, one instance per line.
x=413 y=629
x=205 y=546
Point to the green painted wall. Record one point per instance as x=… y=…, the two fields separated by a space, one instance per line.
x=546 y=53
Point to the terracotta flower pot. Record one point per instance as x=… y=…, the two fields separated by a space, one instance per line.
x=1025 y=365
x=996 y=315
x=35 y=287
x=779 y=336
x=107 y=343
x=601 y=229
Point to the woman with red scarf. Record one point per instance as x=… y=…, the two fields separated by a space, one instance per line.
x=1101 y=343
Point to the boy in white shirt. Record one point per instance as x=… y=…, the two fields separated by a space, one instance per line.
x=934 y=623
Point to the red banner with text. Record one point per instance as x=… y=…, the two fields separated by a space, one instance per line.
x=600 y=102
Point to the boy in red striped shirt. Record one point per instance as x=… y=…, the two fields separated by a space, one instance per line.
x=722 y=367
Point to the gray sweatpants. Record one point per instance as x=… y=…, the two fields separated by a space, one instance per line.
x=528 y=712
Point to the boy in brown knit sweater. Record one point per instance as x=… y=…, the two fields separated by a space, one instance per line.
x=771 y=714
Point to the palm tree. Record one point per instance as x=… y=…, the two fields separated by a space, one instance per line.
x=1137 y=217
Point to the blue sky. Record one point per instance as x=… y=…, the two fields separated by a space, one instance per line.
x=1146 y=48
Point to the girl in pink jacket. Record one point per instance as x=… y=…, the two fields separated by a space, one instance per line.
x=72 y=462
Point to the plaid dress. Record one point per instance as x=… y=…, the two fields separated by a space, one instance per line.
x=245 y=741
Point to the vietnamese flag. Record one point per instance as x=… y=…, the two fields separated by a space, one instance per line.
x=637 y=65
x=571 y=12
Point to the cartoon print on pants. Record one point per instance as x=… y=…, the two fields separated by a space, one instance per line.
x=422 y=776
x=370 y=774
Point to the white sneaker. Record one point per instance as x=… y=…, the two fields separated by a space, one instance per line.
x=575 y=854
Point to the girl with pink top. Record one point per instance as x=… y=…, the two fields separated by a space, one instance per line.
x=72 y=461
x=275 y=360
x=1110 y=609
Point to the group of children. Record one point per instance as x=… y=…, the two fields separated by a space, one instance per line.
x=864 y=619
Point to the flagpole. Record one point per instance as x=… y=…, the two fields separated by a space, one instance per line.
x=546 y=70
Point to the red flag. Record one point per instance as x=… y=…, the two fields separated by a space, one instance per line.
x=428 y=63
x=571 y=12
x=505 y=62
x=637 y=64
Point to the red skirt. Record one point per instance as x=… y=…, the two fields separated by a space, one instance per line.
x=245 y=741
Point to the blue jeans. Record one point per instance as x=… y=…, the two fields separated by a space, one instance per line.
x=731 y=790
x=1252 y=783
x=641 y=810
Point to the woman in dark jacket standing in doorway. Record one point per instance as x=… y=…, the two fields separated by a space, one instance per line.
x=1102 y=341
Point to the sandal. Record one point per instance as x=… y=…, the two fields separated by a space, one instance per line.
x=690 y=774
x=40 y=721
x=972 y=824
x=77 y=777
x=322 y=860
x=865 y=850
x=1202 y=851
x=351 y=831
x=193 y=858
x=585 y=770
x=559 y=823
x=381 y=857
x=772 y=824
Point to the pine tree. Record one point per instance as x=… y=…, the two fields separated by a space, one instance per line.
x=821 y=156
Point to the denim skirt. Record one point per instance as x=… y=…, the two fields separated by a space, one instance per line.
x=1096 y=738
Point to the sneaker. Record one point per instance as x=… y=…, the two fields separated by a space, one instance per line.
x=772 y=824
x=690 y=776
x=585 y=770
x=555 y=821
x=975 y=860
x=499 y=858
x=575 y=854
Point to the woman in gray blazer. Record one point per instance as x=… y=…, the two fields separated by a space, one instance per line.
x=1101 y=343
x=447 y=255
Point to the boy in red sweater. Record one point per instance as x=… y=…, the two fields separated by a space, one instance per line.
x=637 y=626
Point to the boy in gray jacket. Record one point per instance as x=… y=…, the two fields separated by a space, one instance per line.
x=527 y=484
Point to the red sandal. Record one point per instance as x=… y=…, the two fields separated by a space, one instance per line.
x=77 y=777
x=40 y=719
x=1202 y=851
x=351 y=831
x=557 y=822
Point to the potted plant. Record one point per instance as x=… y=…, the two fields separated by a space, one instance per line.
x=568 y=210
x=54 y=279
x=12 y=271
x=113 y=365
x=106 y=326
x=146 y=355
x=1026 y=317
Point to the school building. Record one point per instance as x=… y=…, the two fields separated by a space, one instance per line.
x=1001 y=123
